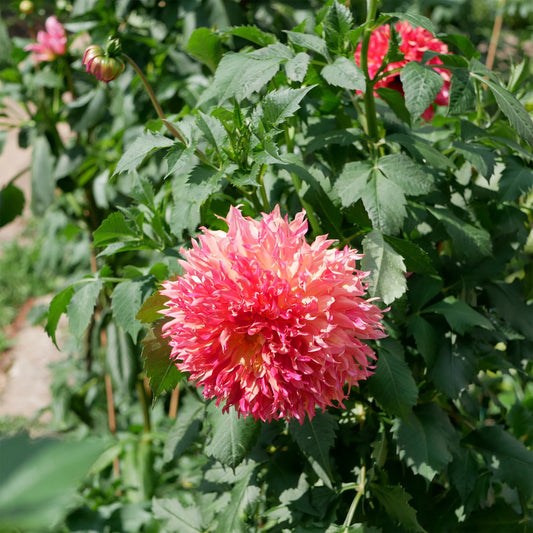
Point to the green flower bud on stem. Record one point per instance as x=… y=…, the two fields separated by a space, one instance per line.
x=100 y=65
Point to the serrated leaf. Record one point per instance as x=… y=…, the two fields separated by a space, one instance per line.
x=233 y=436
x=253 y=34
x=421 y=84
x=516 y=180
x=426 y=338
x=160 y=369
x=178 y=517
x=344 y=73
x=338 y=19
x=121 y=358
x=452 y=372
x=425 y=440
x=57 y=307
x=507 y=456
x=406 y=173
x=414 y=19
x=149 y=311
x=296 y=68
x=396 y=102
x=395 y=501
x=243 y=495
x=114 y=228
x=185 y=428
x=214 y=131
x=386 y=267
x=206 y=46
x=139 y=149
x=43 y=183
x=315 y=438
x=81 y=306
x=515 y=112
x=392 y=384
x=239 y=76
x=481 y=158
x=309 y=41
x=421 y=150
x=352 y=181
x=416 y=259
x=126 y=300
x=281 y=104
x=462 y=93
x=11 y=203
x=459 y=315
x=470 y=242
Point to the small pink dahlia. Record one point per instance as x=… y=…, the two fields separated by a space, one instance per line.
x=267 y=322
x=413 y=43
x=50 y=43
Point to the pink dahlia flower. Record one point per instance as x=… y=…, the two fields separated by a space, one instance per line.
x=269 y=323
x=414 y=42
x=50 y=43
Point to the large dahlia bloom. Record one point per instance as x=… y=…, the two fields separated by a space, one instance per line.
x=414 y=42
x=50 y=43
x=267 y=322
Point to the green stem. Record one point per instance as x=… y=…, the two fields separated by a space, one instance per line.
x=170 y=127
x=144 y=405
x=370 y=105
x=309 y=211
x=355 y=502
x=264 y=196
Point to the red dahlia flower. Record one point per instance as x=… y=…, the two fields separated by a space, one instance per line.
x=414 y=42
x=267 y=322
x=50 y=43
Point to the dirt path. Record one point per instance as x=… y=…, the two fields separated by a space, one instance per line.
x=24 y=373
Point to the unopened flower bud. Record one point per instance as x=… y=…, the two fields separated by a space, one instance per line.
x=26 y=7
x=101 y=66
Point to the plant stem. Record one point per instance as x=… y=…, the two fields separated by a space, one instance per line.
x=370 y=105
x=144 y=406
x=170 y=127
x=355 y=502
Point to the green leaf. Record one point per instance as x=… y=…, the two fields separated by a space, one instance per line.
x=338 y=20
x=5 y=45
x=114 y=228
x=406 y=173
x=452 y=371
x=42 y=176
x=315 y=438
x=160 y=369
x=511 y=461
x=310 y=42
x=185 y=428
x=81 y=306
x=414 y=19
x=57 y=307
x=296 y=68
x=515 y=112
x=425 y=440
x=481 y=158
x=149 y=311
x=178 y=517
x=416 y=259
x=352 y=182
x=233 y=436
x=121 y=359
x=283 y=103
x=139 y=149
x=243 y=495
x=239 y=76
x=462 y=93
x=516 y=180
x=470 y=242
x=126 y=301
x=253 y=34
x=459 y=315
x=395 y=501
x=393 y=385
x=206 y=46
x=426 y=338
x=421 y=84
x=386 y=267
x=396 y=102
x=421 y=150
x=344 y=73
x=39 y=478
x=11 y=203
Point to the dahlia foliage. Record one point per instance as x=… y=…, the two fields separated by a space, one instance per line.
x=414 y=42
x=50 y=43
x=267 y=322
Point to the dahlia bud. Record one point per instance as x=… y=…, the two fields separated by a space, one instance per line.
x=26 y=7
x=102 y=67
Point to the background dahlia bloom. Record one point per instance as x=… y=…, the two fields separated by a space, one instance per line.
x=267 y=322
x=414 y=42
x=50 y=43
